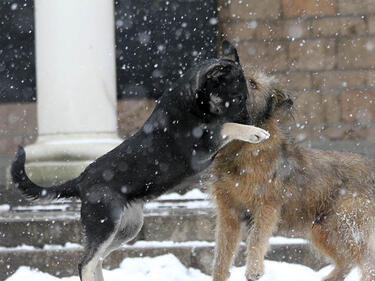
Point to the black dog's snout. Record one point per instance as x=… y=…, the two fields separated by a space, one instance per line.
x=244 y=117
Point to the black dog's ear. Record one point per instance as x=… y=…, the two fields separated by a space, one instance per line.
x=214 y=74
x=229 y=51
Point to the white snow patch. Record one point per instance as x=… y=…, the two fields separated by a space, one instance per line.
x=188 y=204
x=18 y=248
x=14 y=6
x=169 y=268
x=190 y=195
x=253 y=24
x=369 y=46
x=24 y=247
x=169 y=244
x=295 y=31
x=213 y=21
x=4 y=208
x=62 y=207
x=85 y=141
x=279 y=240
x=68 y=245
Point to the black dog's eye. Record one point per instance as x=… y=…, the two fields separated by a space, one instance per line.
x=253 y=84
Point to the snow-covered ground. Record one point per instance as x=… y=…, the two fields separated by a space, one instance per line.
x=277 y=240
x=169 y=268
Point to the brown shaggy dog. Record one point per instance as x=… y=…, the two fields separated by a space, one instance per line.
x=327 y=197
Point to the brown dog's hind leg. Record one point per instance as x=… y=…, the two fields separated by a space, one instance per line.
x=264 y=222
x=227 y=237
x=367 y=264
x=343 y=264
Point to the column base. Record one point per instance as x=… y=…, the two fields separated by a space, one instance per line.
x=54 y=159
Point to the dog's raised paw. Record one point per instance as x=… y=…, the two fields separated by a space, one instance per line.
x=258 y=135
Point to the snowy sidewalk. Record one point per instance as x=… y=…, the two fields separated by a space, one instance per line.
x=169 y=268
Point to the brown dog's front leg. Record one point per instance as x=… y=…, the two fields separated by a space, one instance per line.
x=248 y=133
x=265 y=221
x=227 y=238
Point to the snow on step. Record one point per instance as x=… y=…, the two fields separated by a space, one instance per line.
x=169 y=268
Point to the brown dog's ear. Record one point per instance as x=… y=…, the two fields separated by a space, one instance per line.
x=281 y=99
x=282 y=108
x=229 y=51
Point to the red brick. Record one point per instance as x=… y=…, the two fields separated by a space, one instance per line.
x=296 y=28
x=297 y=8
x=340 y=131
x=339 y=79
x=371 y=25
x=294 y=81
x=312 y=54
x=263 y=55
x=331 y=108
x=132 y=114
x=239 y=31
x=309 y=109
x=371 y=79
x=371 y=132
x=338 y=26
x=265 y=30
x=345 y=131
x=335 y=131
x=18 y=119
x=358 y=106
x=359 y=132
x=356 y=7
x=9 y=144
x=353 y=53
x=249 y=9
x=269 y=30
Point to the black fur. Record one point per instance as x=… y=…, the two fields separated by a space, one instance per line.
x=179 y=139
x=33 y=191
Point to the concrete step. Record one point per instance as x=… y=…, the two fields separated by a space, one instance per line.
x=167 y=220
x=198 y=254
x=180 y=221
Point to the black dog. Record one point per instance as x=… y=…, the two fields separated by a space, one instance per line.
x=191 y=122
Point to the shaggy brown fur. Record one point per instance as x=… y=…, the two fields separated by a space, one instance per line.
x=326 y=197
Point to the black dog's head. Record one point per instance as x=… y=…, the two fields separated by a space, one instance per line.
x=219 y=88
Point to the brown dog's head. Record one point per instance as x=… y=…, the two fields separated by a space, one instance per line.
x=266 y=100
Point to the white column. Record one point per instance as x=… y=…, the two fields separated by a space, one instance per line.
x=76 y=87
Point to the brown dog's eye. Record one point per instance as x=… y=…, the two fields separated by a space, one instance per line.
x=253 y=84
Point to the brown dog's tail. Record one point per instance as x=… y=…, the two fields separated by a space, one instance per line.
x=33 y=191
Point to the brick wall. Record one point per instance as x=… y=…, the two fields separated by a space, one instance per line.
x=18 y=124
x=323 y=51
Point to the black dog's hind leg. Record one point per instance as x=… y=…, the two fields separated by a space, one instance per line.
x=99 y=221
x=107 y=224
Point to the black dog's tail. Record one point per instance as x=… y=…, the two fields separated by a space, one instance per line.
x=33 y=191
